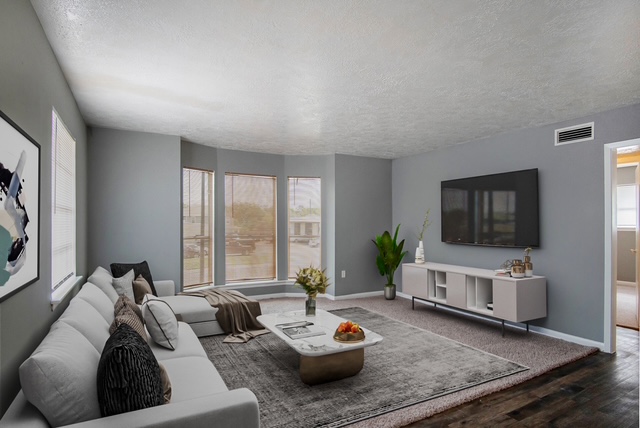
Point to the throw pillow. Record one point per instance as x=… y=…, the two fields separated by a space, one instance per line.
x=161 y=322
x=140 y=288
x=125 y=301
x=128 y=374
x=166 y=384
x=127 y=316
x=124 y=284
x=142 y=268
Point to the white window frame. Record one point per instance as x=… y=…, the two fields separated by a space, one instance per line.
x=63 y=157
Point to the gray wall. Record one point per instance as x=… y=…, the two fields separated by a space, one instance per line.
x=31 y=83
x=363 y=210
x=626 y=238
x=571 y=190
x=134 y=210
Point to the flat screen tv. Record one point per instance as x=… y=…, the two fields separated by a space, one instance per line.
x=498 y=210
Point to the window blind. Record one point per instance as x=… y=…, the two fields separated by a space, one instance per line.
x=63 y=191
x=250 y=227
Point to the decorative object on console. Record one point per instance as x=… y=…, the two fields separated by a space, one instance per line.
x=420 y=249
x=389 y=258
x=313 y=281
x=19 y=208
x=528 y=266
x=517 y=269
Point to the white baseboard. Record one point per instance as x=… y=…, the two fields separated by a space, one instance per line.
x=328 y=296
x=532 y=328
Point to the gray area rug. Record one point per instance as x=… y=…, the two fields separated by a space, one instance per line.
x=409 y=366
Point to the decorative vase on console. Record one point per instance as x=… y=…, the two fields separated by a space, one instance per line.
x=313 y=281
x=420 y=249
x=528 y=266
x=420 y=253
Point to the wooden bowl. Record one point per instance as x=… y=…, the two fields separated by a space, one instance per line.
x=349 y=337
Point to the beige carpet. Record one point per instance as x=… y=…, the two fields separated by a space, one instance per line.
x=539 y=353
x=626 y=303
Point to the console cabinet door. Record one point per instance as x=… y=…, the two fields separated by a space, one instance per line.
x=414 y=281
x=456 y=290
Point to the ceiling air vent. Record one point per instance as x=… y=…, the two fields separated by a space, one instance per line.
x=574 y=134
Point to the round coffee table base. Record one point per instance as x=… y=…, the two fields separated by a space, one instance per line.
x=327 y=368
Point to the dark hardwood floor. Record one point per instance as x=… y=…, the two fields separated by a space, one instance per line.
x=598 y=391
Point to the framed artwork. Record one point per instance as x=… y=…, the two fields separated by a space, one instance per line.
x=19 y=208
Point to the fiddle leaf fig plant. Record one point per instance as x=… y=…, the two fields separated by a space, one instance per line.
x=390 y=254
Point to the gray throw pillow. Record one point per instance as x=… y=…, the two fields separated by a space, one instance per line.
x=161 y=322
x=124 y=285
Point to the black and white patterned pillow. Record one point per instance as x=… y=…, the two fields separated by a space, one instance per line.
x=128 y=374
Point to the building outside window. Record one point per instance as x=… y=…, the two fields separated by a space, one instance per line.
x=304 y=202
x=63 y=204
x=250 y=228
x=197 y=224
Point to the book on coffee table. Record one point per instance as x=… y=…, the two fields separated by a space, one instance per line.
x=298 y=330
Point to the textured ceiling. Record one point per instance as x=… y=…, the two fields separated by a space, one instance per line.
x=373 y=78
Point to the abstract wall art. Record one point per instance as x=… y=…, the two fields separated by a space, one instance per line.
x=19 y=208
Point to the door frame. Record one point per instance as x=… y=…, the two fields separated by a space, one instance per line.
x=610 y=240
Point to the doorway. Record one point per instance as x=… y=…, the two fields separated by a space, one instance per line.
x=611 y=240
x=627 y=223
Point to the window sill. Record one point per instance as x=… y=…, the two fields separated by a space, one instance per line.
x=58 y=295
x=244 y=285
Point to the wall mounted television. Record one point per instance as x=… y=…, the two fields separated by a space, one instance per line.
x=498 y=210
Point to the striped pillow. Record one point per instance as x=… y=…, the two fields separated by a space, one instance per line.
x=128 y=374
x=127 y=316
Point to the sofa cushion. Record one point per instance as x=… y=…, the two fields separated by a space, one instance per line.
x=125 y=301
x=124 y=284
x=92 y=294
x=102 y=279
x=126 y=316
x=166 y=384
x=128 y=374
x=193 y=377
x=59 y=378
x=140 y=289
x=190 y=345
x=85 y=318
x=192 y=309
x=142 y=268
x=161 y=322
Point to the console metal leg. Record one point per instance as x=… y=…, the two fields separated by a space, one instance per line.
x=413 y=303
x=502 y=328
x=527 y=326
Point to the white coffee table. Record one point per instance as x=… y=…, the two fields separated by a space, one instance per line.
x=322 y=359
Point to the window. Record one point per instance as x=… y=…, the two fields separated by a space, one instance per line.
x=627 y=203
x=304 y=223
x=250 y=227
x=197 y=224
x=63 y=202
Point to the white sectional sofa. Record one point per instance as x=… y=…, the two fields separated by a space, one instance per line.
x=59 y=379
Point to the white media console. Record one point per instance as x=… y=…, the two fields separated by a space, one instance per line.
x=475 y=290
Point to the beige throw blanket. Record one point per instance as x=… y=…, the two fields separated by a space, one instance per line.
x=237 y=315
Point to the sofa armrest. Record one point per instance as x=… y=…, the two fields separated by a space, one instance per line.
x=232 y=409
x=165 y=288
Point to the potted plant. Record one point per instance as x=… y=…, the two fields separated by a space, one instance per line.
x=313 y=281
x=389 y=258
